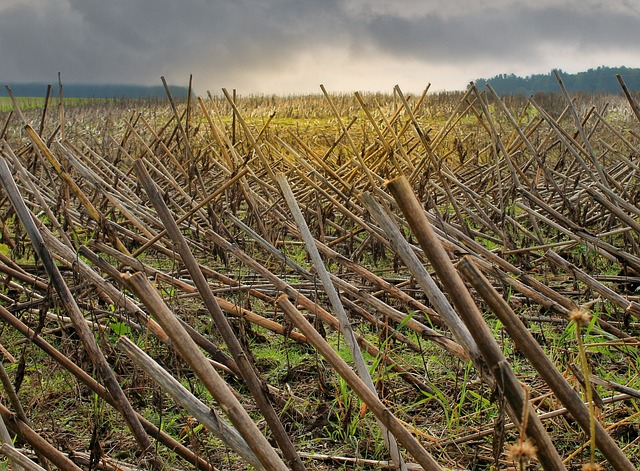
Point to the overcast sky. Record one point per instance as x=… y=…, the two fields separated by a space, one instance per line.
x=292 y=46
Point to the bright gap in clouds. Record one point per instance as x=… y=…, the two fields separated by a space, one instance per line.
x=341 y=71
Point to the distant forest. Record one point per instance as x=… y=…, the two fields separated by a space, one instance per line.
x=76 y=90
x=600 y=80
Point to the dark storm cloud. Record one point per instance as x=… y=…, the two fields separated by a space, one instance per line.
x=248 y=40
x=515 y=33
x=139 y=40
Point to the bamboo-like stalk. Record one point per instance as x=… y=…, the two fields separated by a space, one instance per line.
x=190 y=213
x=91 y=209
x=100 y=390
x=510 y=426
x=615 y=386
x=426 y=332
x=629 y=306
x=468 y=311
x=183 y=132
x=428 y=285
x=590 y=152
x=249 y=375
x=69 y=304
x=382 y=413
x=24 y=177
x=333 y=322
x=5 y=439
x=634 y=106
x=226 y=306
x=182 y=396
x=18 y=459
x=13 y=396
x=345 y=326
x=536 y=355
x=216 y=386
x=38 y=443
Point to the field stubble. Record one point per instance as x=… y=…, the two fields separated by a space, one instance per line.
x=480 y=321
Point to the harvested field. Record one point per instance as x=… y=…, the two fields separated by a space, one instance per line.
x=322 y=282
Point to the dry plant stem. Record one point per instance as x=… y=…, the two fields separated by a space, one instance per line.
x=468 y=311
x=68 y=302
x=629 y=306
x=249 y=375
x=182 y=396
x=24 y=177
x=17 y=406
x=536 y=355
x=228 y=307
x=588 y=392
x=91 y=209
x=580 y=234
x=44 y=110
x=210 y=378
x=426 y=332
x=110 y=293
x=14 y=102
x=249 y=136
x=319 y=311
x=152 y=326
x=382 y=413
x=632 y=102
x=19 y=460
x=345 y=326
x=6 y=353
x=183 y=133
x=5 y=439
x=615 y=386
x=369 y=175
x=523 y=137
x=189 y=213
x=307 y=304
x=36 y=441
x=11 y=393
x=402 y=248
x=100 y=390
x=511 y=426
x=583 y=135
x=375 y=464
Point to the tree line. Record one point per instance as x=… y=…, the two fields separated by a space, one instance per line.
x=600 y=80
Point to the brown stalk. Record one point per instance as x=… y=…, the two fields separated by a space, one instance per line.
x=249 y=374
x=19 y=460
x=216 y=386
x=382 y=413
x=628 y=306
x=536 y=355
x=402 y=248
x=91 y=209
x=192 y=404
x=311 y=306
x=38 y=443
x=68 y=302
x=332 y=293
x=510 y=426
x=183 y=132
x=468 y=311
x=100 y=390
